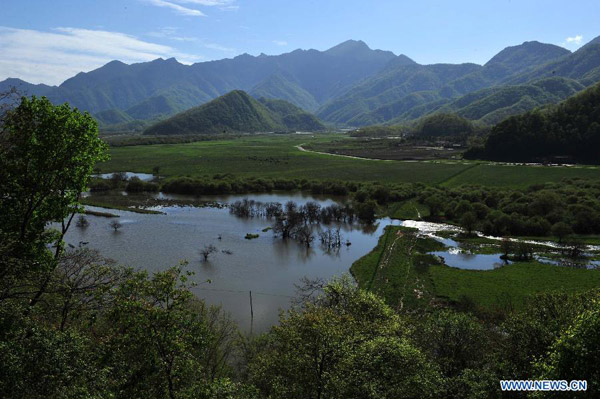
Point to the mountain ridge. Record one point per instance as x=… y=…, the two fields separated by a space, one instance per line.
x=347 y=85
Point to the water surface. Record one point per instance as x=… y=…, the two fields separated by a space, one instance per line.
x=268 y=266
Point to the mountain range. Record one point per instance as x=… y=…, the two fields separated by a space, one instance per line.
x=346 y=85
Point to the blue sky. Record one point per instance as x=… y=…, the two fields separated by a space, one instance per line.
x=44 y=41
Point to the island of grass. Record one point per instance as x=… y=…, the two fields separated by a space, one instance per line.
x=400 y=269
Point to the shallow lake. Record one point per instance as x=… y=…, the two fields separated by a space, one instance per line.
x=267 y=266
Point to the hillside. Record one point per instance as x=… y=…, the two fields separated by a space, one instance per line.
x=567 y=132
x=492 y=105
x=279 y=86
x=583 y=64
x=394 y=94
x=238 y=112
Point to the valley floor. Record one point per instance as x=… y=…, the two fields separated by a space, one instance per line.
x=277 y=156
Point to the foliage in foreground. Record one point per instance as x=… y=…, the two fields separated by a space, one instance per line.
x=345 y=344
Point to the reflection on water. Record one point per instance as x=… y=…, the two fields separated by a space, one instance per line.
x=129 y=175
x=267 y=266
x=457 y=256
x=465 y=260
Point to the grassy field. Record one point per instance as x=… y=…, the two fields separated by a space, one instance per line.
x=519 y=176
x=397 y=269
x=277 y=156
x=400 y=271
x=410 y=209
x=509 y=284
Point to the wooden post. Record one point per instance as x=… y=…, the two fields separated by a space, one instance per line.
x=251 y=314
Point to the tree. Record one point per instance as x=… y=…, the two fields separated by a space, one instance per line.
x=47 y=154
x=158 y=338
x=116 y=225
x=82 y=222
x=287 y=224
x=82 y=282
x=454 y=340
x=529 y=333
x=576 y=353
x=312 y=210
x=507 y=247
x=305 y=236
x=561 y=230
x=435 y=203
x=365 y=211
x=468 y=221
x=207 y=251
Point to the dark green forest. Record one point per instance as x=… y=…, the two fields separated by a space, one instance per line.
x=568 y=132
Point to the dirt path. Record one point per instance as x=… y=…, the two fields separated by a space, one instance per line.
x=378 y=280
x=299 y=147
x=408 y=267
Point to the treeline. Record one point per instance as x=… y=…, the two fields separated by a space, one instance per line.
x=553 y=209
x=557 y=209
x=128 y=139
x=568 y=132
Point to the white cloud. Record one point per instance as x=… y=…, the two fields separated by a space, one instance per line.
x=225 y=5
x=573 y=42
x=207 y=2
x=215 y=46
x=178 y=9
x=52 y=57
x=575 y=39
x=171 y=33
x=280 y=42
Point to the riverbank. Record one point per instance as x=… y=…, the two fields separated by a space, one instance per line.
x=402 y=271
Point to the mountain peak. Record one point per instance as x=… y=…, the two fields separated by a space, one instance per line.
x=527 y=54
x=115 y=63
x=171 y=60
x=349 y=46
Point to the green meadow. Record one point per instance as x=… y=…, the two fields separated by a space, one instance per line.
x=399 y=270
x=277 y=156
